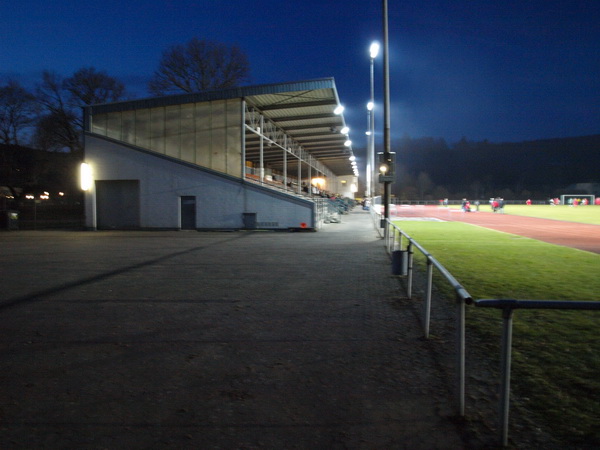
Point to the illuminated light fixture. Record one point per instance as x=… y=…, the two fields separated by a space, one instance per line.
x=86 y=177
x=370 y=106
x=374 y=50
x=337 y=111
x=348 y=143
x=345 y=130
x=352 y=158
x=383 y=169
x=318 y=182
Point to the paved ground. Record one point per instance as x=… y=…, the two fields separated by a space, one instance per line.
x=569 y=234
x=234 y=340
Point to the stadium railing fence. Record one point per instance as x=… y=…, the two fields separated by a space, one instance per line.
x=401 y=248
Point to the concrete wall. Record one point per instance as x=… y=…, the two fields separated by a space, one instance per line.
x=221 y=200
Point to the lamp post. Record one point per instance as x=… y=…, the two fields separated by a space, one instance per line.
x=373 y=51
x=386 y=112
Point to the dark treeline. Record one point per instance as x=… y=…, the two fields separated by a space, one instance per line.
x=430 y=169
x=26 y=170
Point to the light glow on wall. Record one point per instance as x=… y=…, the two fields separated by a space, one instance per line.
x=86 y=178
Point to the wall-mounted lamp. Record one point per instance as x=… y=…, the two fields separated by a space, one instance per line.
x=86 y=178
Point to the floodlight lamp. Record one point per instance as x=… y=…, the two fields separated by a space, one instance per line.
x=374 y=50
x=352 y=158
x=368 y=133
x=345 y=130
x=348 y=143
x=318 y=182
x=86 y=177
x=338 y=110
x=370 y=106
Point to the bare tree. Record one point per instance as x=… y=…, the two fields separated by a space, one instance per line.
x=198 y=66
x=50 y=93
x=62 y=99
x=17 y=112
x=88 y=86
x=57 y=131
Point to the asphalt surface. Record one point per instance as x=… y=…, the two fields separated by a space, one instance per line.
x=233 y=340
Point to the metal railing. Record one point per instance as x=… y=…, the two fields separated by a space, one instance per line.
x=508 y=307
x=393 y=237
x=462 y=297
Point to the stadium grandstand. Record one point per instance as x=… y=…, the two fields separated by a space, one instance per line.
x=274 y=156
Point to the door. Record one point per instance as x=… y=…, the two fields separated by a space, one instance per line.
x=188 y=213
x=118 y=204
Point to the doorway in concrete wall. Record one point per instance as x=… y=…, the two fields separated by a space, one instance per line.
x=118 y=204
x=188 y=212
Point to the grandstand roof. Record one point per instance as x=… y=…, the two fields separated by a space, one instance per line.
x=303 y=110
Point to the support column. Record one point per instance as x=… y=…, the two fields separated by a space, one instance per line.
x=299 y=175
x=243 y=128
x=309 y=176
x=262 y=145
x=285 y=186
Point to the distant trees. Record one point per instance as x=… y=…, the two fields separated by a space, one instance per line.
x=88 y=86
x=199 y=65
x=50 y=118
x=17 y=112
x=429 y=169
x=61 y=99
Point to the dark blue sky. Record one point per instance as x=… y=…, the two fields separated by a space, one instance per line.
x=499 y=70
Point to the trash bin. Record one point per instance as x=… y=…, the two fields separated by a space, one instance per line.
x=400 y=262
x=9 y=220
x=249 y=221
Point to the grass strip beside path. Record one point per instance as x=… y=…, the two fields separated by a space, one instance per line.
x=556 y=354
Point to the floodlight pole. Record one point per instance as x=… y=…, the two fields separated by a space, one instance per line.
x=371 y=150
x=386 y=113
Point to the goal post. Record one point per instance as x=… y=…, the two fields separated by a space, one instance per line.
x=567 y=199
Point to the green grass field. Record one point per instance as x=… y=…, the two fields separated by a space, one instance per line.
x=582 y=214
x=556 y=354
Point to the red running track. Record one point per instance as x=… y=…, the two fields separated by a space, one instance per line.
x=569 y=234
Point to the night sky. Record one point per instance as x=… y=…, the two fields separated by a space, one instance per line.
x=504 y=70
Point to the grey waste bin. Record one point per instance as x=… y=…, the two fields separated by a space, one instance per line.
x=400 y=262
x=9 y=220
x=249 y=221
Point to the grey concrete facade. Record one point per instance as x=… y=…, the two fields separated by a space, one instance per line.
x=222 y=201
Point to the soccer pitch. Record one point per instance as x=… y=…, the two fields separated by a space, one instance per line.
x=555 y=353
x=582 y=214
